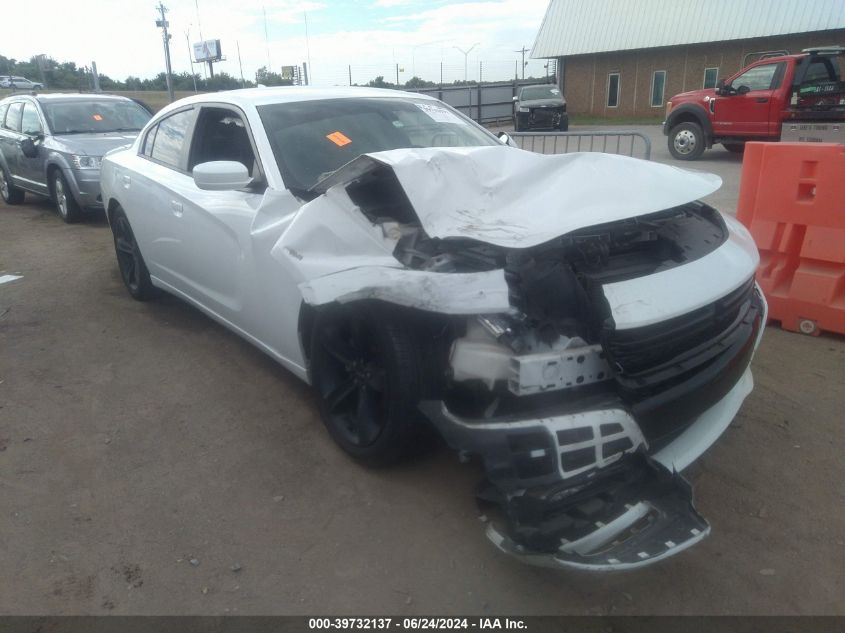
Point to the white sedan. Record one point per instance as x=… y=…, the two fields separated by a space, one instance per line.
x=579 y=322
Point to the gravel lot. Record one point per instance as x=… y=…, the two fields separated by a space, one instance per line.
x=151 y=462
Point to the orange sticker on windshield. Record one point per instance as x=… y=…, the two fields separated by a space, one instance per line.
x=338 y=138
x=98 y=117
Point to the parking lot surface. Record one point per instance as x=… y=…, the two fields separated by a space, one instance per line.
x=153 y=463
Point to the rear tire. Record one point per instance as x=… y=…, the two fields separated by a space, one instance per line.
x=564 y=125
x=367 y=371
x=133 y=270
x=66 y=204
x=8 y=191
x=686 y=141
x=734 y=148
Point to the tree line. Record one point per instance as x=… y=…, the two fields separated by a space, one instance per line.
x=68 y=76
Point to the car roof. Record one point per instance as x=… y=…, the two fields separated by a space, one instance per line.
x=79 y=96
x=288 y=94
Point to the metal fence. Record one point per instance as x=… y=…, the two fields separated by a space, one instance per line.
x=485 y=103
x=613 y=141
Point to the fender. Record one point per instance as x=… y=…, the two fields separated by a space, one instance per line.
x=56 y=159
x=697 y=112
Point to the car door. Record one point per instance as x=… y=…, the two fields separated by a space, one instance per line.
x=215 y=225
x=11 y=138
x=745 y=105
x=150 y=191
x=32 y=168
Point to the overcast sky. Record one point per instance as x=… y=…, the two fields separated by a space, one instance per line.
x=371 y=35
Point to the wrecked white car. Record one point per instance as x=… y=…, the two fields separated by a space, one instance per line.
x=580 y=322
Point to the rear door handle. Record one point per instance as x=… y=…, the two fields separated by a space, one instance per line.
x=762 y=100
x=176 y=207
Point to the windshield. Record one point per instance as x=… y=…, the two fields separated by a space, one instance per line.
x=97 y=115
x=531 y=93
x=311 y=139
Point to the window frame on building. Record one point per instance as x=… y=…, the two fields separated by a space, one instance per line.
x=715 y=77
x=662 y=89
x=618 y=89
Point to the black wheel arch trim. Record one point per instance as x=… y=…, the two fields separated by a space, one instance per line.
x=696 y=112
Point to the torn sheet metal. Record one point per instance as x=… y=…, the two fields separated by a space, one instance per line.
x=518 y=199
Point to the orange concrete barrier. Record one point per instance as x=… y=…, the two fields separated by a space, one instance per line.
x=792 y=199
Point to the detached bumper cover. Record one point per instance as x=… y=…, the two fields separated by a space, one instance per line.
x=583 y=487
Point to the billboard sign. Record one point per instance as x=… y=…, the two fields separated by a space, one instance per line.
x=207 y=51
x=288 y=72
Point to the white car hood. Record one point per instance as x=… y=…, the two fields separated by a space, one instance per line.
x=519 y=199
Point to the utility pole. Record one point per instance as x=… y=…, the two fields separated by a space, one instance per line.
x=191 y=57
x=95 y=76
x=162 y=23
x=523 y=50
x=240 y=65
x=266 y=40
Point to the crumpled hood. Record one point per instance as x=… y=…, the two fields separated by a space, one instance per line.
x=518 y=199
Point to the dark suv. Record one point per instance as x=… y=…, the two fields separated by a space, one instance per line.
x=51 y=145
x=540 y=107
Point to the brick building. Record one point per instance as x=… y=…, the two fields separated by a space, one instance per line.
x=628 y=57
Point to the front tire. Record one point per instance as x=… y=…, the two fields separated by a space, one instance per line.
x=133 y=270
x=66 y=204
x=686 y=141
x=8 y=191
x=367 y=371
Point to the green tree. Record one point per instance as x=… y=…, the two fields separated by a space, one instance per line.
x=269 y=78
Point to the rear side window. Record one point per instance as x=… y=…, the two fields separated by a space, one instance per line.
x=169 y=139
x=13 y=117
x=31 y=122
x=3 y=109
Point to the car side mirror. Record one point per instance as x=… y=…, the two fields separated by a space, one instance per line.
x=29 y=148
x=516 y=99
x=720 y=87
x=221 y=175
x=743 y=90
x=505 y=139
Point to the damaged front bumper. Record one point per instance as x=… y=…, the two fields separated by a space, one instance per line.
x=590 y=484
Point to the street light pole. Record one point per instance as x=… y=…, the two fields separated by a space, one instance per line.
x=466 y=56
x=191 y=57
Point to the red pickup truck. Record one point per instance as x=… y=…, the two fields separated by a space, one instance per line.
x=783 y=97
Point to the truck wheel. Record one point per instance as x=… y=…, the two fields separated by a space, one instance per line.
x=735 y=148
x=686 y=141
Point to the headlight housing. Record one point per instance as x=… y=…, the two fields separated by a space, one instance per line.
x=522 y=109
x=86 y=162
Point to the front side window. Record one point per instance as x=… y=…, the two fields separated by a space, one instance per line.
x=658 y=87
x=95 y=115
x=311 y=139
x=612 y=90
x=30 y=122
x=757 y=78
x=711 y=76
x=13 y=117
x=170 y=138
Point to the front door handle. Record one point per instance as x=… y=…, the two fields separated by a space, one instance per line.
x=176 y=207
x=126 y=181
x=762 y=99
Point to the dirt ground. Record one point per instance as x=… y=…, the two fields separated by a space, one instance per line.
x=153 y=463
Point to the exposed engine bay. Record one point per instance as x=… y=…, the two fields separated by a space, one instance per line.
x=585 y=368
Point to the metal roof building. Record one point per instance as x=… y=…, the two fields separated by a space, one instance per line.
x=689 y=41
